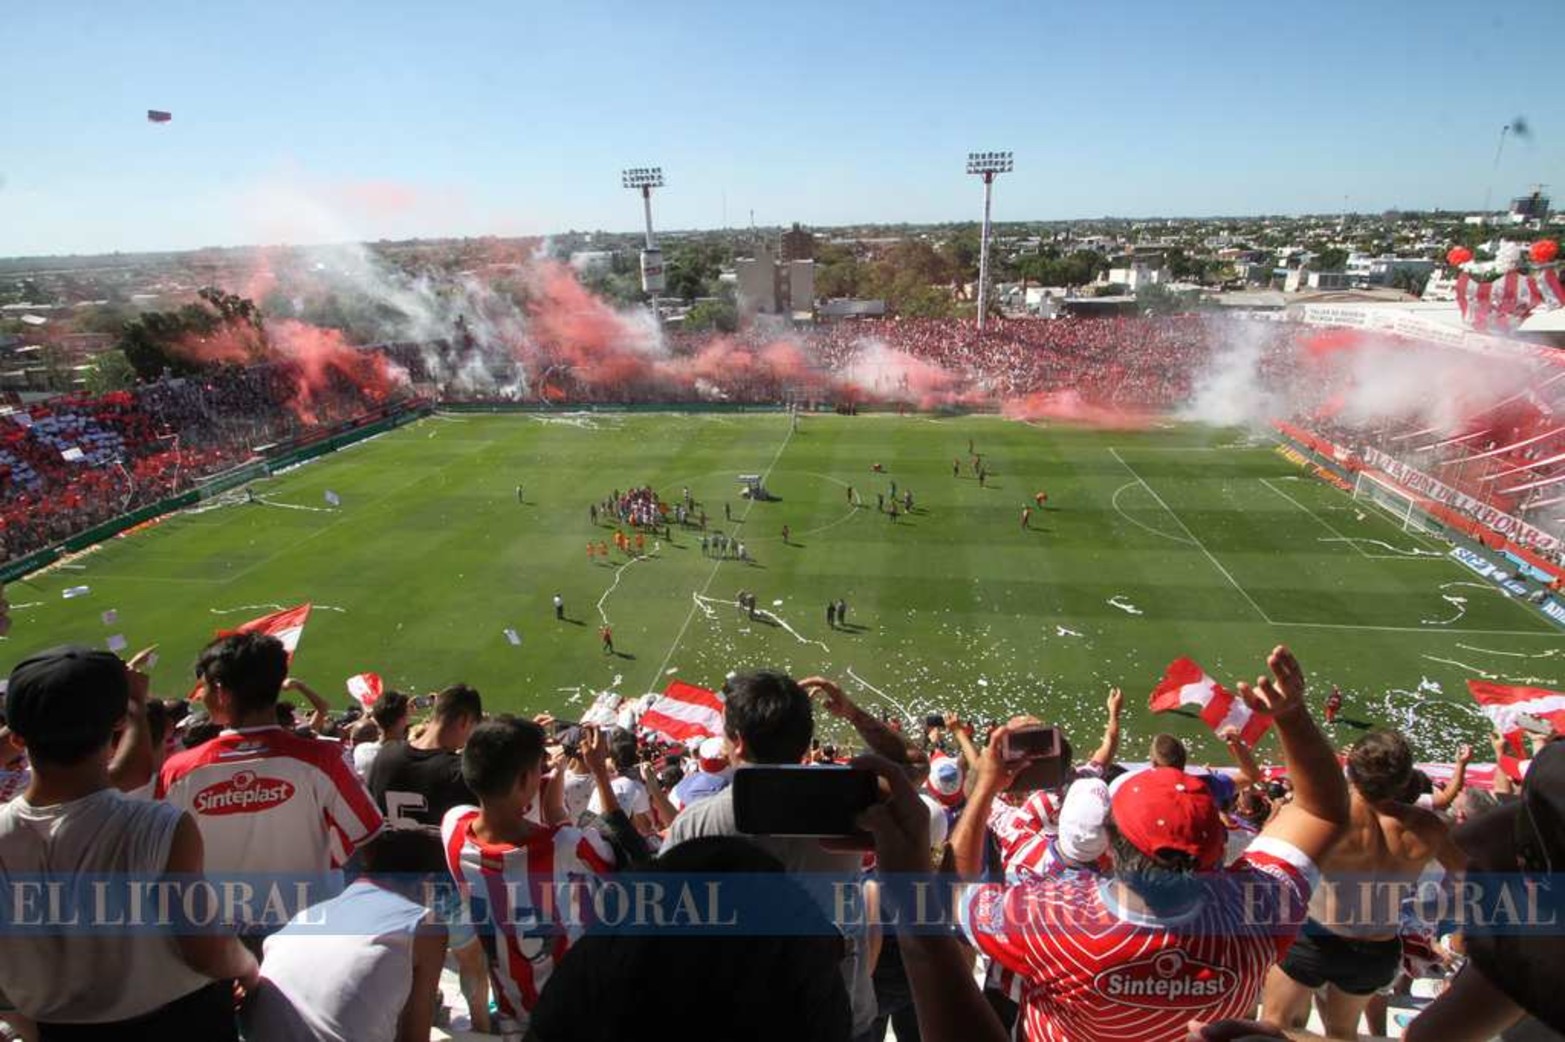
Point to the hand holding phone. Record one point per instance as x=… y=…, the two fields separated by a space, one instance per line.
x=800 y=800
x=1044 y=751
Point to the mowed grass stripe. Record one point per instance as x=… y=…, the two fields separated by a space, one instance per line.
x=431 y=558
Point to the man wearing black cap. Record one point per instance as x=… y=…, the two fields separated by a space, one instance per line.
x=64 y=705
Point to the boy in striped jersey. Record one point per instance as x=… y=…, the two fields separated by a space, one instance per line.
x=515 y=876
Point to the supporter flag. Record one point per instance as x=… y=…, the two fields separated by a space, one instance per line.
x=685 y=711
x=286 y=625
x=332 y=499
x=159 y=116
x=365 y=688
x=1513 y=710
x=1186 y=684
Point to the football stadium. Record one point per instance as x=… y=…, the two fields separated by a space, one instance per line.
x=439 y=603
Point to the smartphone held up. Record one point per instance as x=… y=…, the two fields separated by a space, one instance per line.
x=802 y=800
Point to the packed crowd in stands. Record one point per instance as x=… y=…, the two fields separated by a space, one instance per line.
x=1122 y=895
x=75 y=461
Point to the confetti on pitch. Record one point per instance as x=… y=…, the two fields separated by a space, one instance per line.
x=110 y=617
x=513 y=637
x=72 y=592
x=118 y=642
x=1123 y=604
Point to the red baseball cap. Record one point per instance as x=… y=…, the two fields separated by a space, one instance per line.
x=1163 y=810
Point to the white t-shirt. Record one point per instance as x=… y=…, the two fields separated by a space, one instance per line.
x=340 y=971
x=78 y=975
x=631 y=794
x=363 y=757
x=580 y=790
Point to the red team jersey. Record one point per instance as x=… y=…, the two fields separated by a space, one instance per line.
x=267 y=800
x=1092 y=972
x=503 y=887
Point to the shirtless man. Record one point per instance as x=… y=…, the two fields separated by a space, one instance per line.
x=1349 y=948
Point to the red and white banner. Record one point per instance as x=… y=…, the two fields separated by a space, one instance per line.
x=1509 y=708
x=685 y=711
x=366 y=688
x=1507 y=301
x=1187 y=684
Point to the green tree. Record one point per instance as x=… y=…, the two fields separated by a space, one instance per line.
x=720 y=315
x=155 y=342
x=1160 y=300
x=111 y=371
x=1330 y=258
x=1409 y=281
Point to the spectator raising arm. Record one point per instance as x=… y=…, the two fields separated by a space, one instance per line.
x=1503 y=786
x=595 y=751
x=994 y=776
x=1447 y=794
x=1110 y=746
x=877 y=736
x=1318 y=812
x=663 y=812
x=131 y=767
x=1243 y=756
x=964 y=740
x=320 y=716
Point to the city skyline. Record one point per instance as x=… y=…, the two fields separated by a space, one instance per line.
x=301 y=125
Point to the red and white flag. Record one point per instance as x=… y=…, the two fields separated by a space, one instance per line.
x=1187 y=684
x=366 y=688
x=685 y=711
x=286 y=625
x=1515 y=710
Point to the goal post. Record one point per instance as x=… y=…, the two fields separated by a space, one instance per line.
x=1410 y=510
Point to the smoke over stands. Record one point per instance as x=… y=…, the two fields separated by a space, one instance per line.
x=516 y=325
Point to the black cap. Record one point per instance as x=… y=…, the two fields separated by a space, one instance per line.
x=68 y=695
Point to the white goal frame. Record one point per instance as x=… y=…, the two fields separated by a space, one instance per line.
x=1396 y=501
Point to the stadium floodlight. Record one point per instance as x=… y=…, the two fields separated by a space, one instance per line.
x=647 y=178
x=986 y=165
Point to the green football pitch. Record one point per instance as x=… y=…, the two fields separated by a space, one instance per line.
x=1155 y=544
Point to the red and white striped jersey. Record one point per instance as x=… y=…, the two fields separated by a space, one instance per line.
x=1094 y=972
x=267 y=800
x=518 y=898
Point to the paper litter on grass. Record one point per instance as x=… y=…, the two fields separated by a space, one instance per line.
x=118 y=642
x=513 y=637
x=110 y=617
x=72 y=592
x=1122 y=602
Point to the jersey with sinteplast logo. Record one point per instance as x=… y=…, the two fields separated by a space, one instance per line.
x=267 y=800
x=1092 y=972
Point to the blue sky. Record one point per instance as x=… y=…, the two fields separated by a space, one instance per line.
x=326 y=121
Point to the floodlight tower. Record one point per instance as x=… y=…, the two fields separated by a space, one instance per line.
x=647 y=178
x=986 y=165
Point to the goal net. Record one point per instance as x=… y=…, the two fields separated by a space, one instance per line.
x=1411 y=511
